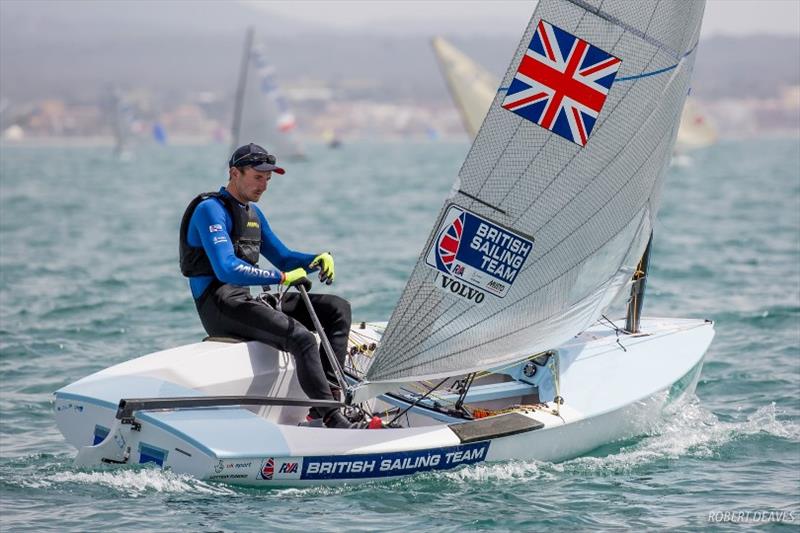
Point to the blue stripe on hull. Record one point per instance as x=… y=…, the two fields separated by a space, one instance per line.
x=392 y=464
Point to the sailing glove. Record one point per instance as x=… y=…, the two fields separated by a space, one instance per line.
x=324 y=262
x=296 y=277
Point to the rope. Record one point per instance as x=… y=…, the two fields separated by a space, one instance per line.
x=416 y=402
x=616 y=331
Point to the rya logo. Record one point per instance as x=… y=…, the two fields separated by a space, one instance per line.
x=288 y=468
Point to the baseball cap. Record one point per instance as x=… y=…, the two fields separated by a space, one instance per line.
x=252 y=155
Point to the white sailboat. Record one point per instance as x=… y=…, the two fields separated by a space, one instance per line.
x=262 y=114
x=498 y=348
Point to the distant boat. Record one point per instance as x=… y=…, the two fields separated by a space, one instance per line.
x=121 y=117
x=696 y=130
x=262 y=114
x=472 y=87
x=331 y=139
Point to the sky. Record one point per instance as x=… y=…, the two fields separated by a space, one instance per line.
x=729 y=17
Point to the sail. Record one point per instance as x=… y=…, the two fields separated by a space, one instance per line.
x=265 y=117
x=696 y=130
x=121 y=116
x=555 y=202
x=472 y=87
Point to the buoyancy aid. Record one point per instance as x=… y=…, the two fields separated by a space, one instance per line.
x=245 y=236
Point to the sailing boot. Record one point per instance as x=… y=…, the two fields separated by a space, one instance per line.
x=314 y=416
x=335 y=419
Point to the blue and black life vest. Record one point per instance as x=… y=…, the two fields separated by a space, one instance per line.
x=245 y=236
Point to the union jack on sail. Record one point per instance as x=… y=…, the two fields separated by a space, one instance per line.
x=562 y=83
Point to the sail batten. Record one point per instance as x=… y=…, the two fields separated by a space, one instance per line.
x=556 y=199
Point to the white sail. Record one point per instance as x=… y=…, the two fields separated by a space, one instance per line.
x=121 y=117
x=555 y=202
x=696 y=130
x=266 y=118
x=472 y=87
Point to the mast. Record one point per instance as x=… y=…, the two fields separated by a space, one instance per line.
x=237 y=110
x=637 y=291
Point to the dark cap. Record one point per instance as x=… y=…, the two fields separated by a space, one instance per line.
x=252 y=155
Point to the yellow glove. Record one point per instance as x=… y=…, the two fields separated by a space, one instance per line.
x=324 y=262
x=295 y=277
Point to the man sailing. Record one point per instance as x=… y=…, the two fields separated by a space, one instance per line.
x=221 y=237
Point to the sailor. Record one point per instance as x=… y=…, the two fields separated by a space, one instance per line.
x=221 y=236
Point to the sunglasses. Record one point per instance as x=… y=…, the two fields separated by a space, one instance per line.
x=253 y=160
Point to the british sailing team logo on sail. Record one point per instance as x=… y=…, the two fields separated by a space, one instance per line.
x=562 y=83
x=475 y=255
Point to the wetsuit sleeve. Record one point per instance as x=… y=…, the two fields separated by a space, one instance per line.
x=278 y=253
x=212 y=223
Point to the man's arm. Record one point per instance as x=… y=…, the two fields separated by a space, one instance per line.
x=278 y=253
x=211 y=224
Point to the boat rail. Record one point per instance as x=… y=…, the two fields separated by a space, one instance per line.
x=128 y=406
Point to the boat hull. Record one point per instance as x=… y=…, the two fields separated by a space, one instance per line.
x=611 y=391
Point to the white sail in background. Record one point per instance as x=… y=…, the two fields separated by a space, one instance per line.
x=266 y=118
x=472 y=87
x=555 y=202
x=121 y=116
x=696 y=130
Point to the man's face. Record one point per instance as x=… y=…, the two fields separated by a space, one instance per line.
x=248 y=185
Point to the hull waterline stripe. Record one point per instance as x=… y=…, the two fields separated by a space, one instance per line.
x=87 y=399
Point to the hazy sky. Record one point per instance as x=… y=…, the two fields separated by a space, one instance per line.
x=738 y=17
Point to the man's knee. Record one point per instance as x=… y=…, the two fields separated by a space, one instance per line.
x=300 y=340
x=340 y=308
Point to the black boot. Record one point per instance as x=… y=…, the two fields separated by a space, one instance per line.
x=315 y=414
x=335 y=419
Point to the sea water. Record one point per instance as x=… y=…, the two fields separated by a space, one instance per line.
x=89 y=278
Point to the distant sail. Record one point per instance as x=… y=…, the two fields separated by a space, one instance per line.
x=696 y=130
x=555 y=202
x=472 y=87
x=265 y=116
x=121 y=116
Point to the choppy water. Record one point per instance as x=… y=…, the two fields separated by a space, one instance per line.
x=88 y=278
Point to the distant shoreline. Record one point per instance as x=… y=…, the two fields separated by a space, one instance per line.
x=102 y=141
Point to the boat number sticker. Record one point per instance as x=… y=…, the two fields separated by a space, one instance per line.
x=372 y=465
x=476 y=256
